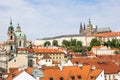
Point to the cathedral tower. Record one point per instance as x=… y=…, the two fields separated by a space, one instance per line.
x=89 y=28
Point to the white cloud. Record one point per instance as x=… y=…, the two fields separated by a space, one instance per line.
x=46 y=18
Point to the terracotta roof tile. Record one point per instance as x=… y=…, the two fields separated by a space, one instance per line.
x=46 y=56
x=29 y=70
x=106 y=64
x=68 y=72
x=47 y=50
x=108 y=34
x=54 y=62
x=13 y=74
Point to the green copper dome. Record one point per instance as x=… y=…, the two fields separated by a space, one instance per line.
x=19 y=34
x=11 y=27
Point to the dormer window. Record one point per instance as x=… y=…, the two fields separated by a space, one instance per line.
x=61 y=78
x=72 y=77
x=92 y=77
x=77 y=62
x=79 y=77
x=51 y=78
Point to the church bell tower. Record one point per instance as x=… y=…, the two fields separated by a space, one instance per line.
x=11 y=48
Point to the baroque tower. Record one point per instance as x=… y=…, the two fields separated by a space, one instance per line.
x=11 y=47
x=16 y=39
x=20 y=38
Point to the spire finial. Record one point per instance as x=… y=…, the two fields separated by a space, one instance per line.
x=18 y=24
x=10 y=21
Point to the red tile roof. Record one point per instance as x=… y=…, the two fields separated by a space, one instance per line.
x=13 y=74
x=41 y=50
x=46 y=56
x=108 y=34
x=106 y=64
x=47 y=50
x=70 y=71
x=54 y=62
x=67 y=72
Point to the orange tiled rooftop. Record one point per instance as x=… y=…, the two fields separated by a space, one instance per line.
x=108 y=34
x=101 y=63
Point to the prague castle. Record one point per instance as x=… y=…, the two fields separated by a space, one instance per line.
x=85 y=35
x=89 y=29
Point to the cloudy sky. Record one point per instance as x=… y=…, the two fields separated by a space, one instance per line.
x=49 y=18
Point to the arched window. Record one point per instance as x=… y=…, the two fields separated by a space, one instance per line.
x=19 y=43
x=11 y=47
x=11 y=37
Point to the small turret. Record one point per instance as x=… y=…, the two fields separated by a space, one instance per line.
x=18 y=29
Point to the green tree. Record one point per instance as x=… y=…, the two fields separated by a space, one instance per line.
x=117 y=45
x=117 y=52
x=77 y=49
x=55 y=43
x=47 y=43
x=95 y=42
x=113 y=43
x=89 y=48
x=66 y=43
x=105 y=44
x=79 y=43
x=73 y=42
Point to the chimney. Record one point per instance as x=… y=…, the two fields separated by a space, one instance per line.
x=60 y=67
x=39 y=66
x=93 y=67
x=80 y=66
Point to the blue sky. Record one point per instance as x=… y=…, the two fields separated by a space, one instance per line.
x=49 y=18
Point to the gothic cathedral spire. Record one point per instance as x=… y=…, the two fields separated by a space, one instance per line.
x=81 y=29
